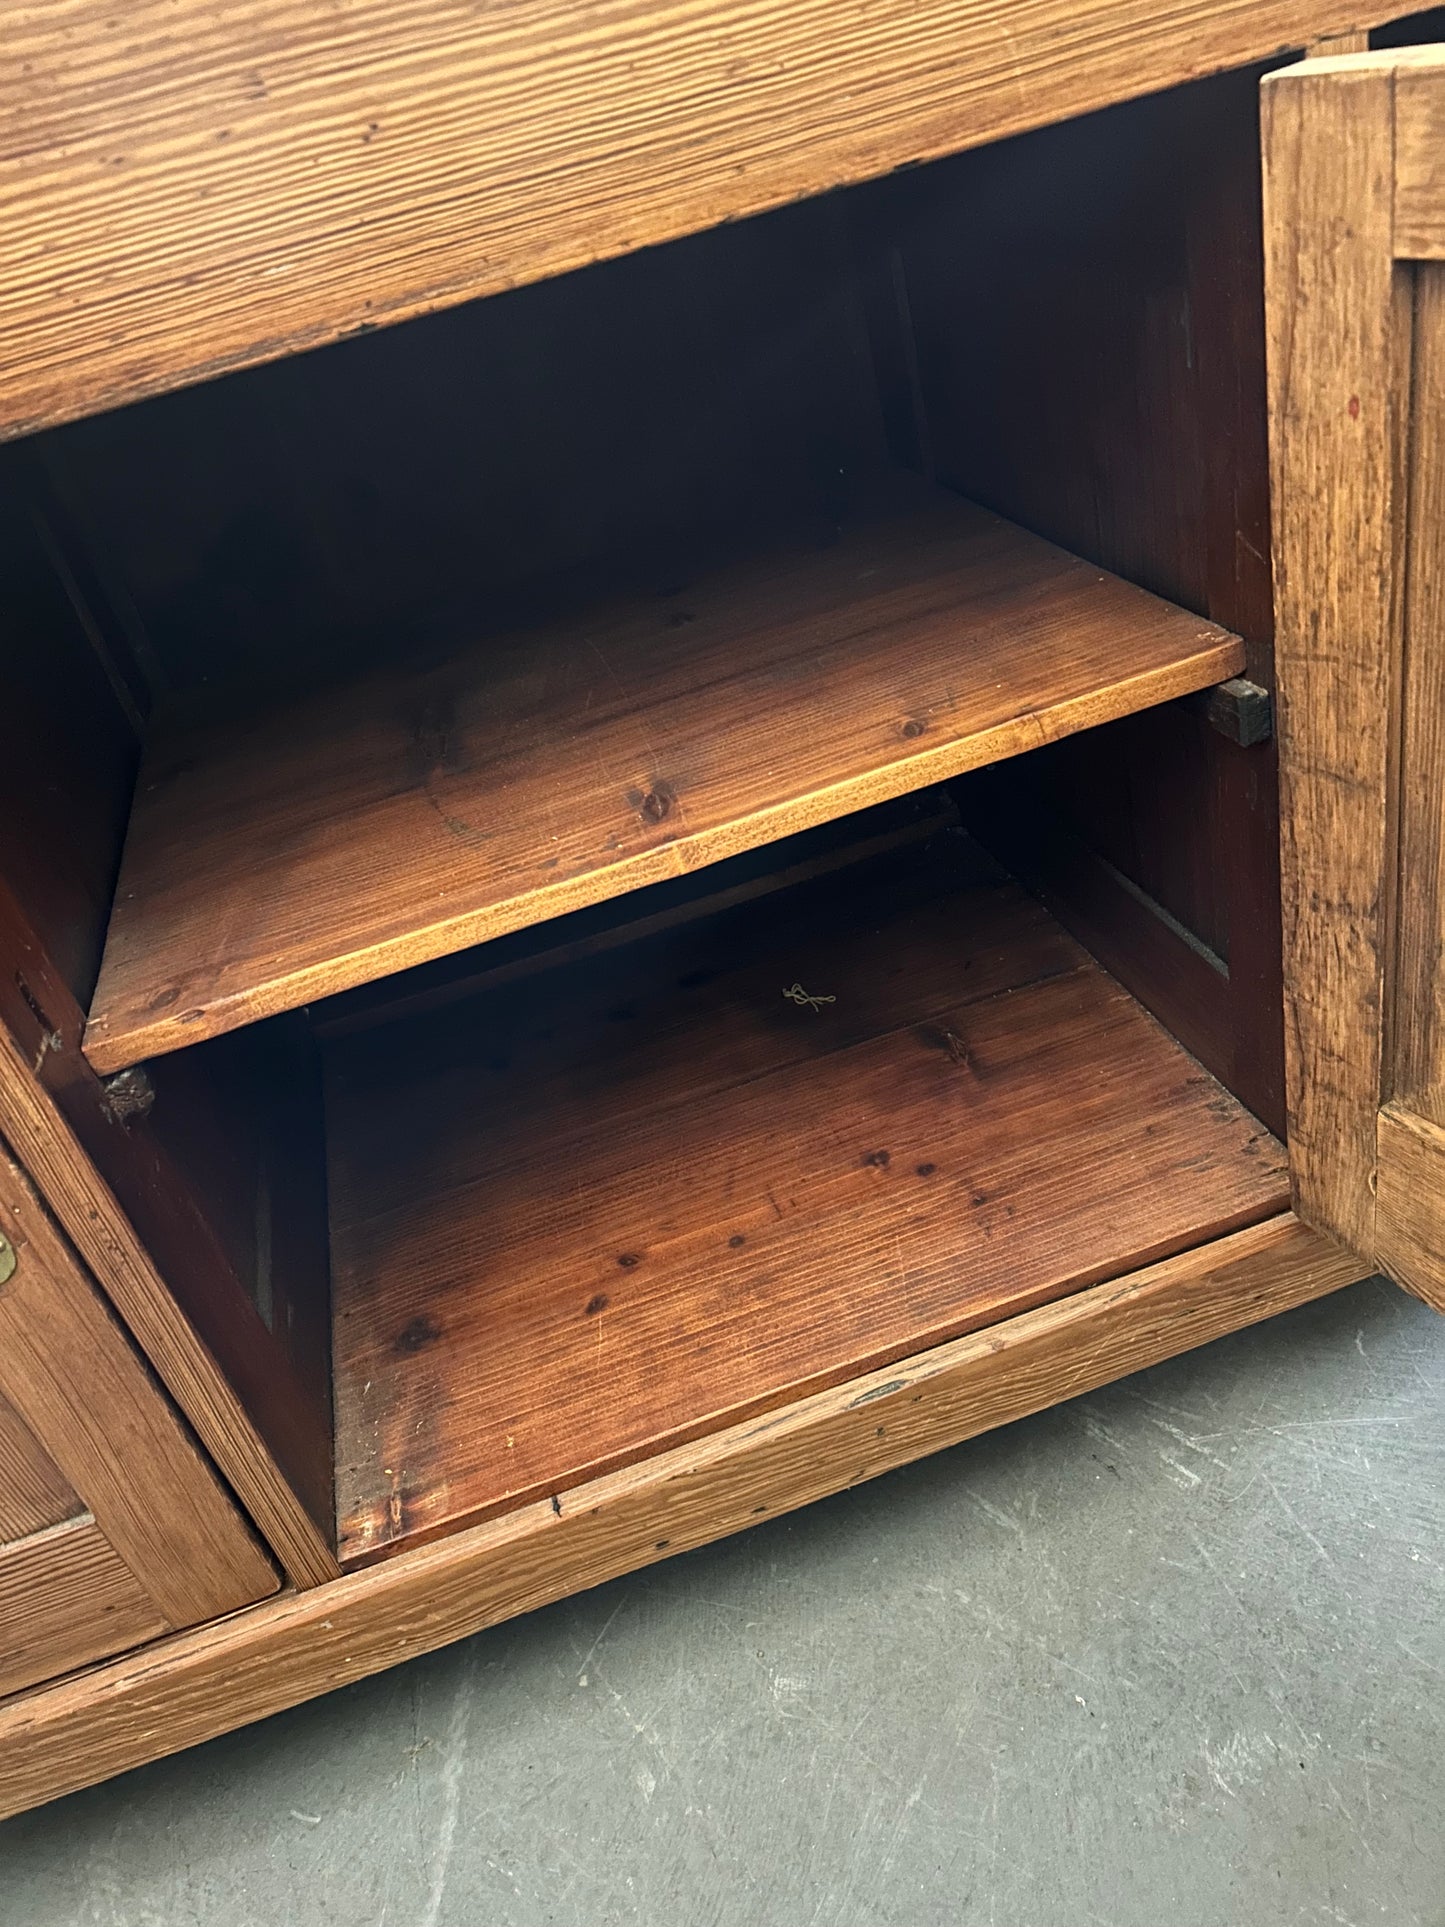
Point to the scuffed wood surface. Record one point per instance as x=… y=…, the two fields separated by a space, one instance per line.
x=185 y=189
x=1338 y=326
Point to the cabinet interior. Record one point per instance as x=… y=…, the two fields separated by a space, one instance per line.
x=637 y=848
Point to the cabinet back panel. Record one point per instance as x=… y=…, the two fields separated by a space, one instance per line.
x=354 y=501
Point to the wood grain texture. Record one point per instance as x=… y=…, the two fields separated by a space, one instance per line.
x=1410 y=1222
x=33 y=1493
x=627 y=1202
x=107 y=1241
x=184 y=191
x=418 y=811
x=1087 y=313
x=1357 y=42
x=252 y=1405
x=1172 y=973
x=190 y=1688
x=1419 y=231
x=68 y=1598
x=65 y=795
x=71 y=1374
x=1338 y=324
x=1417 y=1013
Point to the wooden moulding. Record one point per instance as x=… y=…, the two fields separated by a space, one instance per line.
x=193 y=1686
x=326 y=842
x=203 y=188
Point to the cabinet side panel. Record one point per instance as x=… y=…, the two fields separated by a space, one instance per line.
x=74 y=710
x=1089 y=325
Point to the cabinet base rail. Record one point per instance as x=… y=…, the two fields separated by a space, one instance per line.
x=192 y=1687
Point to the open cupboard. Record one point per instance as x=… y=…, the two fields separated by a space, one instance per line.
x=635 y=899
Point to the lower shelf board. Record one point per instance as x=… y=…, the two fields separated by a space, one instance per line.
x=631 y=1200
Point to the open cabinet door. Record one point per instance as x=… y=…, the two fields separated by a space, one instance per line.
x=1354 y=151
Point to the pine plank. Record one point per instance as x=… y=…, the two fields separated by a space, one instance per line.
x=77 y=1383
x=66 y=1598
x=186 y=189
x=1338 y=344
x=634 y=1201
x=33 y=1494
x=306 y=849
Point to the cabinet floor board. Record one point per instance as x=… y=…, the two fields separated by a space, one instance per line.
x=635 y=1198
x=330 y=839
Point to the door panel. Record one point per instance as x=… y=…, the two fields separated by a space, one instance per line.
x=33 y=1495
x=67 y=1598
x=1357 y=433
x=113 y=1526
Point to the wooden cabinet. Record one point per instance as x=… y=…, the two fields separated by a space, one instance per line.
x=629 y=902
x=113 y=1527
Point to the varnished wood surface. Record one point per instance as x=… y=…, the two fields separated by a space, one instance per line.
x=213 y=1354
x=184 y=190
x=190 y=1688
x=1338 y=327
x=625 y=1203
x=301 y=851
x=72 y=1375
x=33 y=1494
x=67 y=1598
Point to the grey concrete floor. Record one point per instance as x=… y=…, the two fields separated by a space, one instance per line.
x=1173 y=1655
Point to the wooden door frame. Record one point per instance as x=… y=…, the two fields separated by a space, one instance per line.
x=1354 y=175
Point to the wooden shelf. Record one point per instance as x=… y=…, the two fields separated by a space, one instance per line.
x=629 y=1199
x=324 y=843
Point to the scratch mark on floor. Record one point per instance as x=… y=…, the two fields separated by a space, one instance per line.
x=454 y=1749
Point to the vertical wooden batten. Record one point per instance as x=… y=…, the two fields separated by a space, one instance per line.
x=1338 y=324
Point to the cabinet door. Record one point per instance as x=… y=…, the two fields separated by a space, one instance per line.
x=1355 y=232
x=113 y=1527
